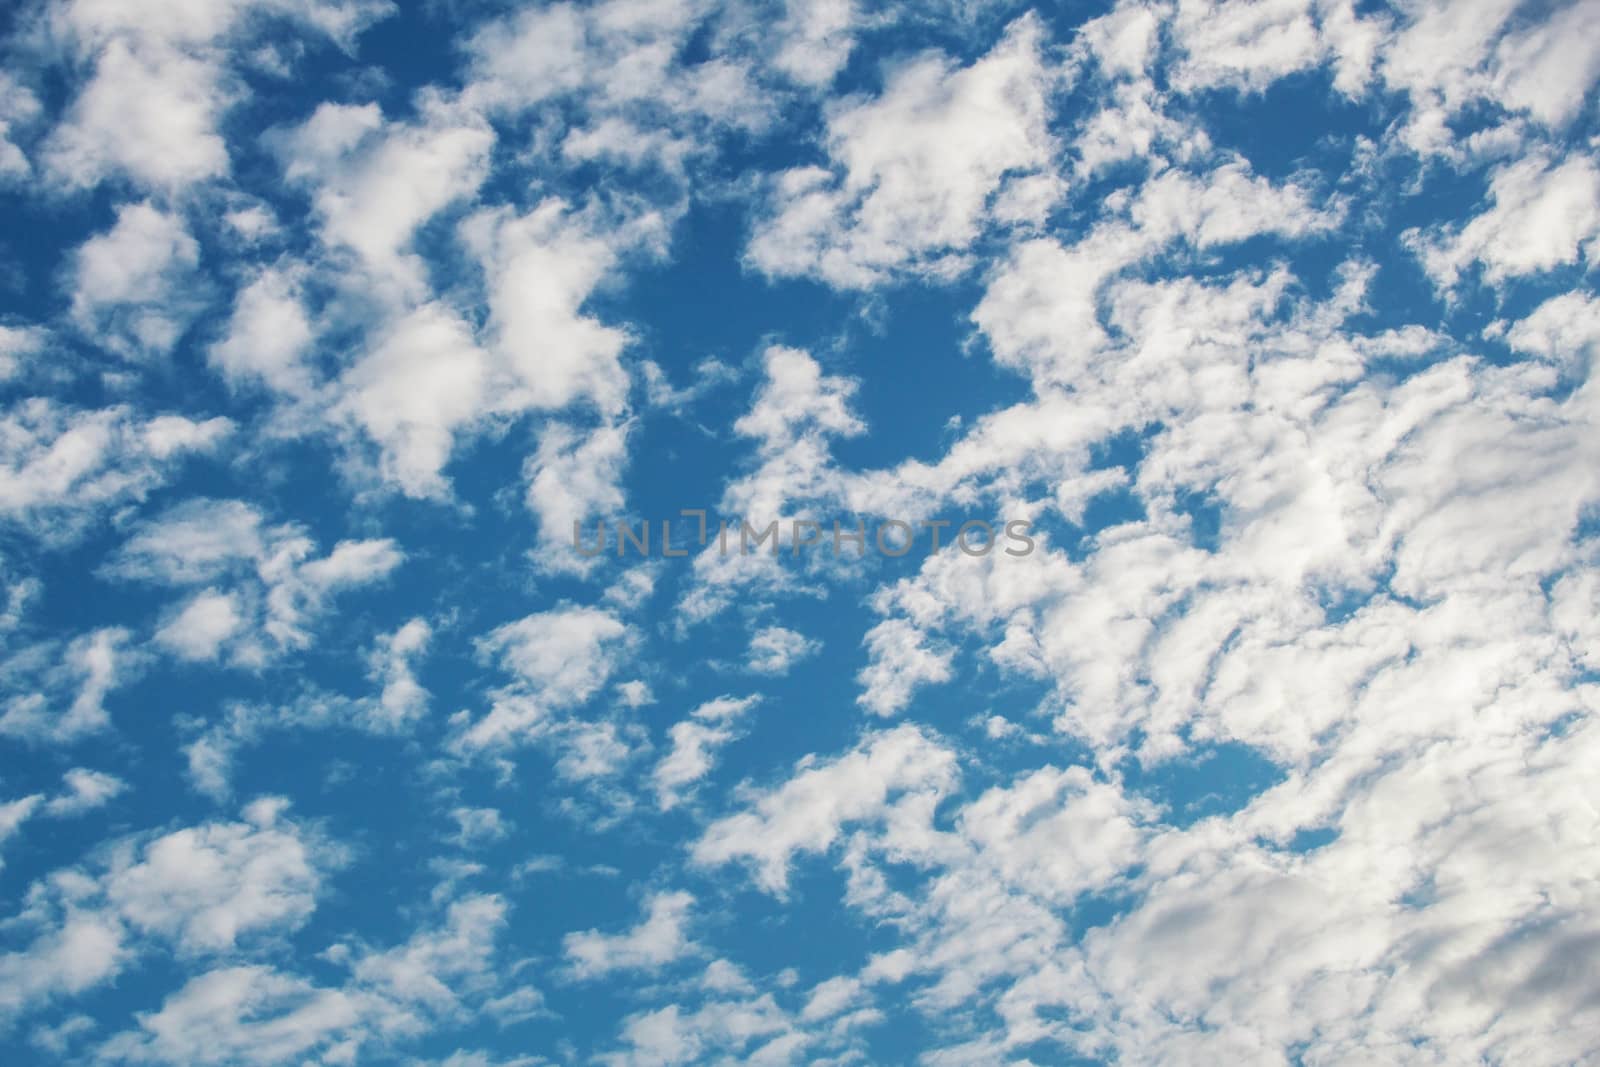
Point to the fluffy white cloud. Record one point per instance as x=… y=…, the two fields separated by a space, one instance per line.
x=893 y=769
x=914 y=170
x=201 y=627
x=541 y=268
x=754 y=1030
x=796 y=412
x=18 y=346
x=150 y=111
x=66 y=699
x=1544 y=214
x=200 y=890
x=475 y=826
x=621 y=65
x=61 y=467
x=245 y=1014
x=1224 y=206
x=265 y=585
x=659 y=939
x=695 y=741
x=1448 y=57
x=86 y=791
x=134 y=284
x=158 y=86
x=435 y=968
x=558 y=659
x=13 y=813
x=206 y=887
x=256 y=1014
x=1248 y=45
x=374 y=182
x=268 y=336
x=403 y=699
x=18 y=107
x=775 y=649
x=815 y=39
x=900 y=662
x=1549 y=67
x=573 y=477
x=423 y=380
x=196 y=541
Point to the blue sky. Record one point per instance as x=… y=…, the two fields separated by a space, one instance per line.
x=323 y=322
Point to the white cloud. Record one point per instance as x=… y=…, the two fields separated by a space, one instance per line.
x=806 y=813
x=13 y=813
x=574 y=476
x=201 y=627
x=266 y=585
x=796 y=410
x=1224 y=206
x=134 y=285
x=1563 y=330
x=403 y=699
x=797 y=399
x=559 y=653
x=900 y=662
x=91 y=666
x=197 y=541
x=1544 y=214
x=350 y=564
x=268 y=336
x=659 y=939
x=255 y=1014
x=558 y=658
x=158 y=86
x=244 y=1014
x=83 y=951
x=913 y=170
x=540 y=268
x=815 y=39
x=86 y=791
x=695 y=741
x=149 y=111
x=1043 y=310
x=1448 y=57
x=1123 y=41
x=201 y=890
x=831 y=998
x=775 y=649
x=434 y=968
x=752 y=1030
x=423 y=381
x=476 y=826
x=1247 y=45
x=18 y=346
x=616 y=61
x=635 y=694
x=1549 y=67
x=375 y=182
x=206 y=887
x=208 y=892
x=18 y=107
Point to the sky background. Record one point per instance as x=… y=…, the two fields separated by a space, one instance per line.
x=323 y=321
